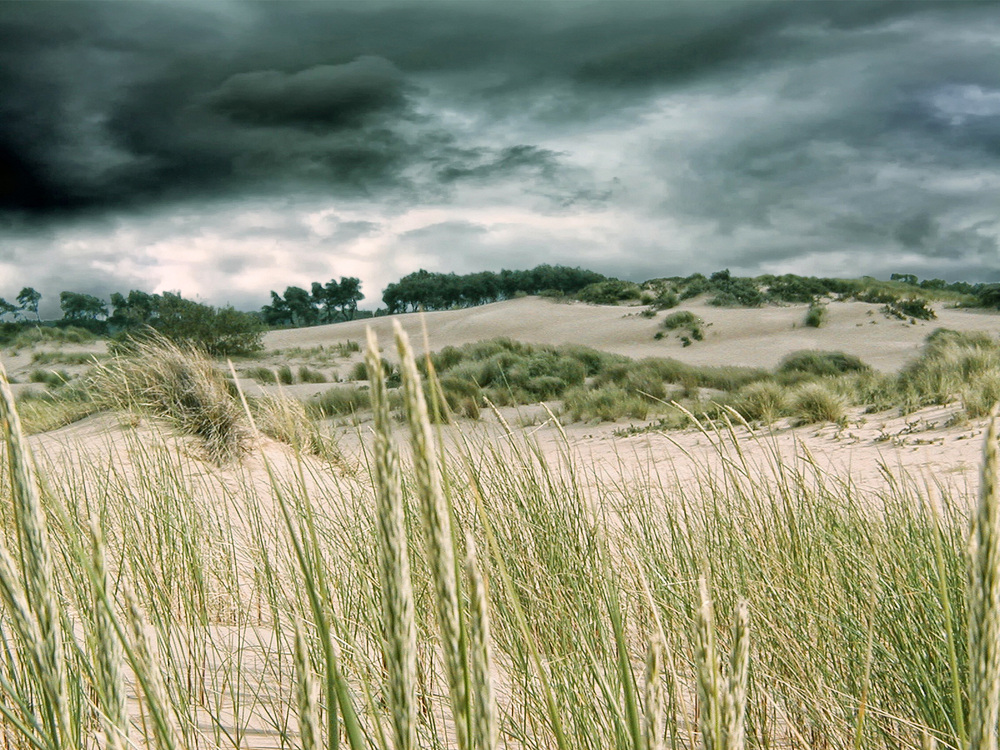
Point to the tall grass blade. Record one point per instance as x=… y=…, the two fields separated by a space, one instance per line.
x=436 y=515
x=984 y=602
x=399 y=638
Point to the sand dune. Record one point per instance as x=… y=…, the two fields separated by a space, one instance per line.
x=733 y=336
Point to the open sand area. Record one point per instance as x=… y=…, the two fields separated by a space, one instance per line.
x=924 y=443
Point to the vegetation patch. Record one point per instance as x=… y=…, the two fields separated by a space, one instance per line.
x=180 y=384
x=816 y=363
x=816 y=315
x=815 y=402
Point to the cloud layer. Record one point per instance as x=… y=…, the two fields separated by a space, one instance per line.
x=230 y=148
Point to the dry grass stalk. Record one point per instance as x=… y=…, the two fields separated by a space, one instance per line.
x=38 y=593
x=146 y=665
x=305 y=692
x=436 y=514
x=739 y=671
x=723 y=704
x=655 y=698
x=710 y=692
x=107 y=648
x=984 y=603
x=400 y=639
x=485 y=726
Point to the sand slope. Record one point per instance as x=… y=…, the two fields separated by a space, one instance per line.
x=733 y=336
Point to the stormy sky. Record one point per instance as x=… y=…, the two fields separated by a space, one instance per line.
x=225 y=149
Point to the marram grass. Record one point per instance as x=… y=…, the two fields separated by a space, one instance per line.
x=194 y=580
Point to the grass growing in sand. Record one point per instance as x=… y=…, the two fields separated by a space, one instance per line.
x=487 y=597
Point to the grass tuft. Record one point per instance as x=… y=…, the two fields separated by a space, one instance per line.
x=180 y=384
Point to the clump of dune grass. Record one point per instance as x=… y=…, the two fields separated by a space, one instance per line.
x=262 y=375
x=50 y=410
x=981 y=394
x=339 y=401
x=287 y=420
x=180 y=384
x=816 y=315
x=65 y=358
x=284 y=375
x=51 y=378
x=950 y=364
x=764 y=401
x=815 y=402
x=606 y=404
x=35 y=335
x=810 y=363
x=309 y=375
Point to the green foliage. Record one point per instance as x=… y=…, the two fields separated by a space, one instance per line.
x=815 y=402
x=339 y=401
x=263 y=375
x=440 y=291
x=681 y=319
x=763 y=401
x=27 y=336
x=609 y=292
x=325 y=303
x=914 y=307
x=690 y=325
x=222 y=332
x=814 y=363
x=816 y=315
x=51 y=378
x=308 y=375
x=284 y=375
x=78 y=307
x=605 y=404
x=950 y=364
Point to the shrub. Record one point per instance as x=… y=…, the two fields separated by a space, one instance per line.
x=681 y=319
x=949 y=362
x=814 y=402
x=665 y=300
x=609 y=292
x=763 y=401
x=816 y=316
x=358 y=372
x=29 y=336
x=916 y=308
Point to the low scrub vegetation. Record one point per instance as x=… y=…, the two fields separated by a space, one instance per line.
x=816 y=315
x=475 y=599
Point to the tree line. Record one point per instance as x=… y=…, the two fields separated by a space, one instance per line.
x=442 y=291
x=324 y=303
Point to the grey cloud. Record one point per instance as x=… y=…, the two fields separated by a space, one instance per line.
x=327 y=96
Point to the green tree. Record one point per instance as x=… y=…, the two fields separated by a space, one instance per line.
x=81 y=307
x=344 y=297
x=28 y=300
x=6 y=307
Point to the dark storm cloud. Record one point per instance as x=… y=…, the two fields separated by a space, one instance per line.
x=324 y=96
x=697 y=133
